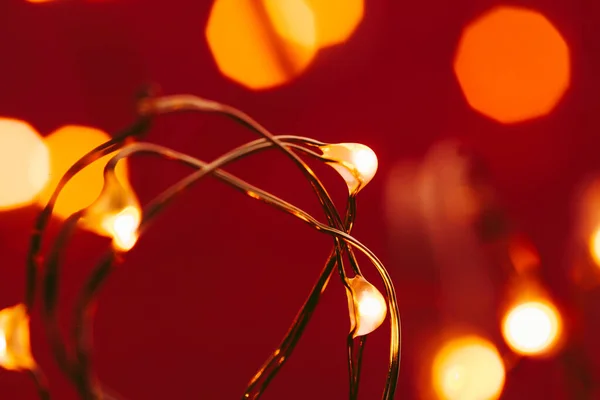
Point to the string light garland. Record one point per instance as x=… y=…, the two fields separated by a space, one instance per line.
x=118 y=215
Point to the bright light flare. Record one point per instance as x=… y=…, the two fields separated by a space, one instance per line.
x=24 y=164
x=366 y=305
x=532 y=328
x=355 y=162
x=594 y=247
x=468 y=368
x=15 y=348
x=115 y=214
x=123 y=227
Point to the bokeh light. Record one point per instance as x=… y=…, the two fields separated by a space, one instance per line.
x=532 y=328
x=261 y=43
x=336 y=20
x=468 y=368
x=67 y=145
x=523 y=254
x=24 y=164
x=512 y=64
x=594 y=246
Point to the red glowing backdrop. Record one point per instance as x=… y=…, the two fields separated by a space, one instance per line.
x=204 y=298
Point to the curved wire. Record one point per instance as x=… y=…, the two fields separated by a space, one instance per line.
x=178 y=103
x=162 y=200
x=34 y=259
x=51 y=281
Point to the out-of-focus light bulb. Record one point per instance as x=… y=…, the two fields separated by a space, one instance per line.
x=24 y=164
x=273 y=42
x=336 y=20
x=355 y=162
x=366 y=305
x=468 y=368
x=532 y=328
x=116 y=214
x=594 y=246
x=293 y=20
x=15 y=348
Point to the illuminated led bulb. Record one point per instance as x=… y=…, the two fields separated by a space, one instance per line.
x=15 y=348
x=115 y=214
x=532 y=328
x=355 y=162
x=366 y=305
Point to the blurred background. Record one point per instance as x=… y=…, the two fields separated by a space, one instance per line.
x=483 y=115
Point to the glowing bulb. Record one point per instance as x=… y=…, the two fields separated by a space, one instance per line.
x=123 y=227
x=15 y=348
x=366 y=305
x=115 y=214
x=532 y=328
x=261 y=44
x=2 y=344
x=595 y=247
x=355 y=162
x=468 y=368
x=24 y=163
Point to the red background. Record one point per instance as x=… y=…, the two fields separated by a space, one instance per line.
x=206 y=296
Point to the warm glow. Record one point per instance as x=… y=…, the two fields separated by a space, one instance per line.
x=123 y=227
x=512 y=64
x=24 y=164
x=523 y=254
x=469 y=368
x=292 y=20
x=532 y=328
x=261 y=43
x=336 y=20
x=355 y=162
x=367 y=306
x=595 y=247
x=115 y=214
x=67 y=145
x=15 y=348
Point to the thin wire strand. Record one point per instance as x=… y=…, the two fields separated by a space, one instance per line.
x=162 y=200
x=178 y=103
x=51 y=281
x=33 y=256
x=41 y=383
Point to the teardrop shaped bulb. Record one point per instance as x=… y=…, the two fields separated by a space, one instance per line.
x=355 y=162
x=366 y=305
x=115 y=214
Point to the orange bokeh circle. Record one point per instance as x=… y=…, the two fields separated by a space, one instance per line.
x=512 y=64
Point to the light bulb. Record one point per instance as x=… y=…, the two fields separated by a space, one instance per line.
x=355 y=162
x=468 y=368
x=366 y=305
x=115 y=214
x=15 y=348
x=532 y=328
